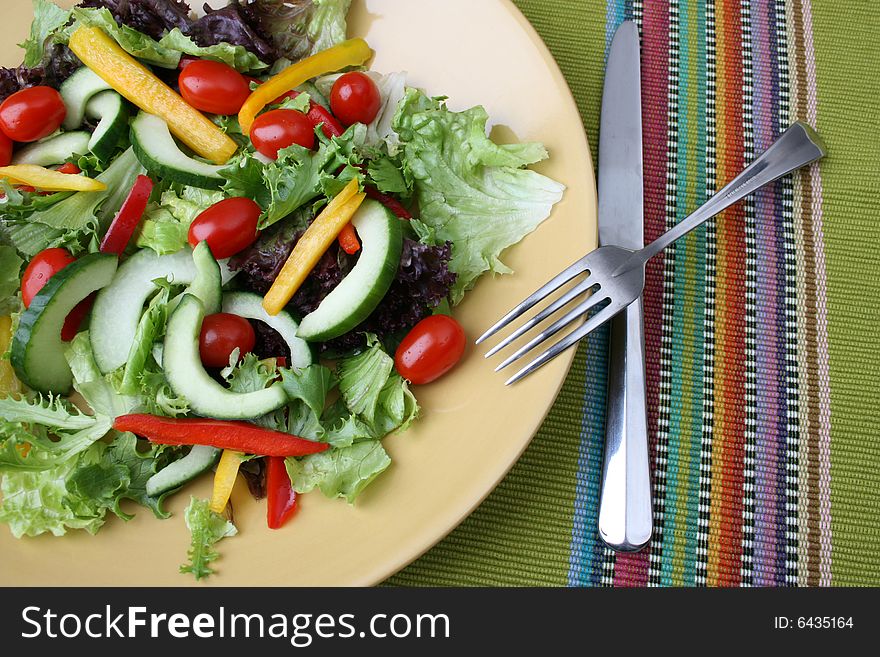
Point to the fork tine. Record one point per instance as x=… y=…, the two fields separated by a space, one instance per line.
x=574 y=292
x=557 y=281
x=554 y=328
x=567 y=342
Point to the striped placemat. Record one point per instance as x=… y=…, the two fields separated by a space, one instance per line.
x=761 y=327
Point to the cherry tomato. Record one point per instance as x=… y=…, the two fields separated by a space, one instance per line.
x=44 y=266
x=430 y=349
x=5 y=150
x=32 y=113
x=221 y=334
x=213 y=87
x=228 y=226
x=355 y=98
x=281 y=128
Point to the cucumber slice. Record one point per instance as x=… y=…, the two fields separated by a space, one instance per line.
x=161 y=156
x=352 y=301
x=76 y=92
x=37 y=351
x=113 y=112
x=174 y=475
x=54 y=150
x=250 y=306
x=187 y=376
x=119 y=306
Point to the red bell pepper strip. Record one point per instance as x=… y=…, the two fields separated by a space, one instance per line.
x=225 y=434
x=388 y=201
x=75 y=317
x=348 y=239
x=330 y=125
x=69 y=167
x=280 y=496
x=128 y=217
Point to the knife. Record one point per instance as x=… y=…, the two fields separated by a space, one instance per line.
x=625 y=521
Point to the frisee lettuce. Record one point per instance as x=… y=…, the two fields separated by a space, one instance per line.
x=165 y=225
x=77 y=492
x=206 y=528
x=39 y=502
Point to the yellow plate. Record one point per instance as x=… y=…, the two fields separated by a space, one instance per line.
x=473 y=428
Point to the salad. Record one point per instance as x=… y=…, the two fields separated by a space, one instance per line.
x=227 y=245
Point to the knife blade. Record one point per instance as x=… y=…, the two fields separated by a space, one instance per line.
x=625 y=521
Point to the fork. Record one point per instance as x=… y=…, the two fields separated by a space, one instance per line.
x=616 y=276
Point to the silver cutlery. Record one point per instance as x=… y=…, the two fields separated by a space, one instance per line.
x=615 y=275
x=625 y=522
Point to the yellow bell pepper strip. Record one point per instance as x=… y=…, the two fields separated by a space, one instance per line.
x=49 y=179
x=311 y=246
x=9 y=384
x=353 y=52
x=134 y=81
x=224 y=479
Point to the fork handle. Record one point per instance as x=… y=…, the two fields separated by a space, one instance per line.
x=625 y=522
x=798 y=146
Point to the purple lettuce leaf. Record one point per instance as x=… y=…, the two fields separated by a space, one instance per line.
x=151 y=17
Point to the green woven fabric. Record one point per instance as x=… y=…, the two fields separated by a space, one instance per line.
x=848 y=63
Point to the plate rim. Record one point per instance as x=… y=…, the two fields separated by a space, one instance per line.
x=379 y=575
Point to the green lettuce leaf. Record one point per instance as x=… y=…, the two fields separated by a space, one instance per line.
x=135 y=43
x=165 y=225
x=471 y=191
x=10 y=270
x=374 y=392
x=101 y=391
x=298 y=176
x=363 y=377
x=77 y=221
x=343 y=472
x=235 y=56
x=48 y=19
x=150 y=329
x=327 y=25
x=299 y=104
x=207 y=528
x=388 y=176
x=35 y=503
x=311 y=385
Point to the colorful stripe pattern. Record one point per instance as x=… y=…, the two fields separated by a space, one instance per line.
x=742 y=375
x=736 y=318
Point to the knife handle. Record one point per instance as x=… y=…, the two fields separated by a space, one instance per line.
x=625 y=521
